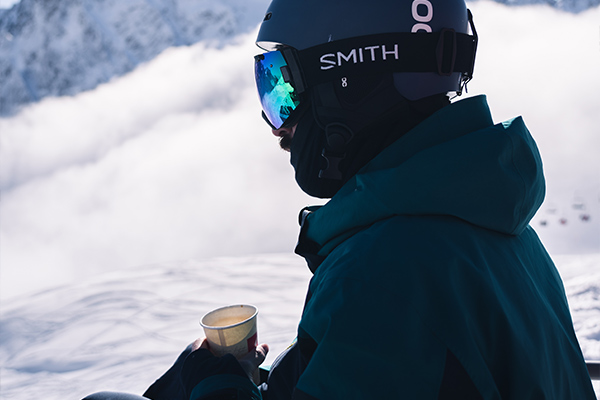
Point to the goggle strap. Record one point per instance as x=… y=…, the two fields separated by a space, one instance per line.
x=444 y=53
x=293 y=68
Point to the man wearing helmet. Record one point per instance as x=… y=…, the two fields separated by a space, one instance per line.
x=428 y=281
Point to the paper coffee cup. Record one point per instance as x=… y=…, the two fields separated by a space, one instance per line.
x=231 y=330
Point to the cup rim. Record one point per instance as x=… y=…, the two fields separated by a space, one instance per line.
x=232 y=325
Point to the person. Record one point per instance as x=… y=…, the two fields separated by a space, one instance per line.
x=428 y=281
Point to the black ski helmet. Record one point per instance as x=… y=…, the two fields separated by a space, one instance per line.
x=302 y=24
x=355 y=65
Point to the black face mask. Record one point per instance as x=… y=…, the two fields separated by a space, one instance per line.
x=322 y=167
x=305 y=156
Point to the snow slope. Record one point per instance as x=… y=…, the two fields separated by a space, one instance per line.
x=120 y=331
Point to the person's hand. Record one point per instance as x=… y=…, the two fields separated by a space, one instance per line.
x=250 y=362
x=201 y=364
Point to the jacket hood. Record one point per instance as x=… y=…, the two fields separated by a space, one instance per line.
x=455 y=163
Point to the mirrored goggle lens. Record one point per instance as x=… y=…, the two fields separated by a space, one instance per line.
x=277 y=95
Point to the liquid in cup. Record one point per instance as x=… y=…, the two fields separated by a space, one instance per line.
x=231 y=330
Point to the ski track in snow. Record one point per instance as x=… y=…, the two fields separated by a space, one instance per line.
x=121 y=330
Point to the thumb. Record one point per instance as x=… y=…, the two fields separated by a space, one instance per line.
x=253 y=359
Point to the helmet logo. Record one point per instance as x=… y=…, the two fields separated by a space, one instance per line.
x=422 y=20
x=369 y=53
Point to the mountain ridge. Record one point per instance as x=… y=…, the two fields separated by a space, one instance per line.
x=63 y=47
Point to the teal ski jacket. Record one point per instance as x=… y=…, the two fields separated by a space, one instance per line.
x=428 y=250
x=425 y=258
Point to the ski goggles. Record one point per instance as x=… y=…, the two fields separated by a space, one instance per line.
x=281 y=83
x=279 y=88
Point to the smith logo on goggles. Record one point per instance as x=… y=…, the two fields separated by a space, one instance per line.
x=280 y=80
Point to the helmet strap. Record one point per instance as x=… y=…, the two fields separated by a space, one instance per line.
x=337 y=136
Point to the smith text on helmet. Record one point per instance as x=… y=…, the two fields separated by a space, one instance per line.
x=360 y=55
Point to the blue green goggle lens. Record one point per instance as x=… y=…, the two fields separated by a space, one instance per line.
x=278 y=96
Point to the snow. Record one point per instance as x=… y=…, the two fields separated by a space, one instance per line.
x=119 y=204
x=121 y=330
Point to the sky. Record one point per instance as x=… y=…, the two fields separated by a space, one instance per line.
x=173 y=161
x=7 y=3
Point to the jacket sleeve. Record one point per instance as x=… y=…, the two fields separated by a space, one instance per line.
x=206 y=377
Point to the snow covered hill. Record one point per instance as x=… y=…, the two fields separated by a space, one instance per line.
x=63 y=47
x=120 y=331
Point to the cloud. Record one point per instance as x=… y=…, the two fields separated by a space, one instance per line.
x=543 y=64
x=59 y=132
x=170 y=162
x=174 y=162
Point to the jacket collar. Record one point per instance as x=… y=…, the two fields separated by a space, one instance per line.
x=430 y=171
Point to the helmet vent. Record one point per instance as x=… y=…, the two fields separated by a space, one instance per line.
x=268 y=16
